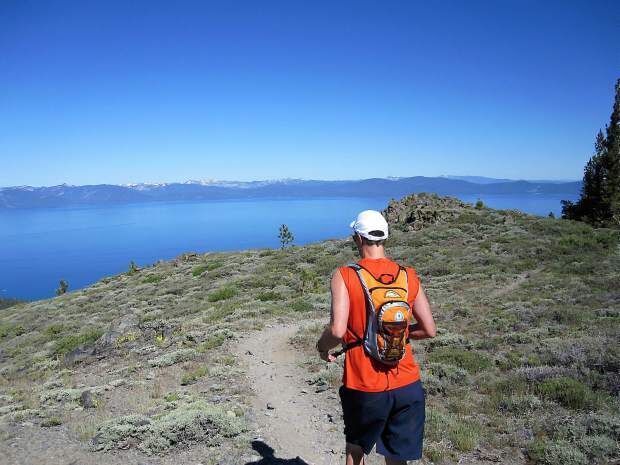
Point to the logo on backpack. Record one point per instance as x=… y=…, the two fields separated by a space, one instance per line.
x=388 y=315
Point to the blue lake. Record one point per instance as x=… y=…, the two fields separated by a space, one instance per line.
x=38 y=247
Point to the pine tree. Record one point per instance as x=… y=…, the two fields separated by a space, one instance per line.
x=63 y=287
x=285 y=235
x=599 y=204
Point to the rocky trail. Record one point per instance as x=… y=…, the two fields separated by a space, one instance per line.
x=297 y=420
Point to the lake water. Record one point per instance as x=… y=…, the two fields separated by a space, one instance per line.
x=38 y=247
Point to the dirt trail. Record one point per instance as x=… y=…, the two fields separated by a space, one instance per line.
x=291 y=417
x=520 y=279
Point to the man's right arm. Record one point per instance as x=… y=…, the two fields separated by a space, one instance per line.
x=425 y=326
x=333 y=334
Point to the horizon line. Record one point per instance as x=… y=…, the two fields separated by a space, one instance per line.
x=215 y=182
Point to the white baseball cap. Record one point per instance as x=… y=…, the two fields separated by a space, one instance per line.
x=371 y=221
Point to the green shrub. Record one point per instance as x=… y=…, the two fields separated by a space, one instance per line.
x=213 y=341
x=569 y=316
x=464 y=435
x=449 y=373
x=52 y=331
x=214 y=265
x=194 y=422
x=566 y=391
x=165 y=360
x=152 y=279
x=191 y=377
x=309 y=280
x=133 y=268
x=51 y=421
x=556 y=453
x=222 y=294
x=519 y=404
x=269 y=296
x=66 y=344
x=199 y=270
x=172 y=397
x=219 y=313
x=599 y=446
x=471 y=361
x=301 y=305
x=603 y=423
x=7 y=329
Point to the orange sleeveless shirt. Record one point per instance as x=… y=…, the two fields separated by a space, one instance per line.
x=362 y=372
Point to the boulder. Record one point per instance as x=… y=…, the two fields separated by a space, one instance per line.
x=125 y=325
x=87 y=399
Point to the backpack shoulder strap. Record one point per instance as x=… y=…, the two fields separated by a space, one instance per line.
x=404 y=270
x=358 y=340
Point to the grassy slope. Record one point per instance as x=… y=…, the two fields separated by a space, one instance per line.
x=527 y=355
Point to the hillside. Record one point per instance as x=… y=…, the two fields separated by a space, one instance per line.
x=209 y=358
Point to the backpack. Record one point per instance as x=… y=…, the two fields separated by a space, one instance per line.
x=388 y=315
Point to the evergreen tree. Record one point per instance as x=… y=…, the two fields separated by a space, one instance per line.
x=599 y=204
x=285 y=235
x=63 y=287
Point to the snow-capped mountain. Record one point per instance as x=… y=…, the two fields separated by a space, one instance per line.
x=209 y=189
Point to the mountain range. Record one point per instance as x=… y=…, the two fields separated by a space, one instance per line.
x=65 y=195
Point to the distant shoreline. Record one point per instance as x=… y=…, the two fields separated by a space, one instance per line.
x=26 y=197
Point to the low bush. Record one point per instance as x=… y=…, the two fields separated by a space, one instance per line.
x=66 y=344
x=556 y=453
x=50 y=422
x=519 y=404
x=192 y=376
x=567 y=391
x=214 y=265
x=194 y=422
x=52 y=331
x=171 y=358
x=301 y=305
x=463 y=434
x=599 y=447
x=269 y=296
x=213 y=341
x=199 y=270
x=471 y=361
x=450 y=373
x=152 y=279
x=222 y=294
x=7 y=329
x=218 y=313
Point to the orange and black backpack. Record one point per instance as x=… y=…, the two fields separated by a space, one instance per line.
x=388 y=315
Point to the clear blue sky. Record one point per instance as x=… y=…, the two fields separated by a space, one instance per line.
x=118 y=91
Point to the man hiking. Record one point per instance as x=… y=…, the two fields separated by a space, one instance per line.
x=373 y=305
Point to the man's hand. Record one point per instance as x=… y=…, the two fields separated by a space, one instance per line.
x=325 y=355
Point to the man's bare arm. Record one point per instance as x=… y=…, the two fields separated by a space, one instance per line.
x=333 y=334
x=425 y=326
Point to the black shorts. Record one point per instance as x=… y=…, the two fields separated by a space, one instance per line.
x=394 y=420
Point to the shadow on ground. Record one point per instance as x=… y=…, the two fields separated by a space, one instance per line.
x=268 y=458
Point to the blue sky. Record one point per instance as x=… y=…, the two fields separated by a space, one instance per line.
x=117 y=92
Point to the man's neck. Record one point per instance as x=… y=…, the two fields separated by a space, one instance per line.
x=373 y=251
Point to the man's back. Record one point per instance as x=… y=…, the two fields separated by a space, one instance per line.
x=382 y=405
x=361 y=371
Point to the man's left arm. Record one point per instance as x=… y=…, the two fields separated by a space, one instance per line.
x=333 y=334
